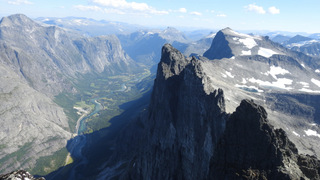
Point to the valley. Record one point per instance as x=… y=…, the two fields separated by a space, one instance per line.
x=98 y=99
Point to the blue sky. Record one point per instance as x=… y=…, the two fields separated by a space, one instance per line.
x=285 y=15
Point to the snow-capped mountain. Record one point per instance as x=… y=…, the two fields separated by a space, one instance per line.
x=307 y=45
x=256 y=68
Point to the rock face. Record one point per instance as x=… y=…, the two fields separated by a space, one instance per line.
x=219 y=48
x=252 y=149
x=183 y=121
x=36 y=63
x=175 y=137
x=21 y=174
x=48 y=56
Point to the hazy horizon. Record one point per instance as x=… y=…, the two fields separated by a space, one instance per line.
x=204 y=14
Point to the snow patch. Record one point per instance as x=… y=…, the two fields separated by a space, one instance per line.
x=244 y=81
x=296 y=133
x=310 y=132
x=308 y=90
x=248 y=42
x=304 y=84
x=316 y=82
x=224 y=75
x=317 y=71
x=266 y=52
x=229 y=74
x=303 y=65
x=280 y=83
x=232 y=57
x=245 y=53
x=274 y=71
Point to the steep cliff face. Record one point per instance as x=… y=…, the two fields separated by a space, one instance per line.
x=184 y=122
x=176 y=136
x=219 y=47
x=252 y=149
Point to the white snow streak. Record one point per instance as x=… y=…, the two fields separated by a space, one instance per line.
x=229 y=74
x=310 y=132
x=266 y=52
x=308 y=90
x=296 y=133
x=316 y=82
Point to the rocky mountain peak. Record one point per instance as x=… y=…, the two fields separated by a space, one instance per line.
x=252 y=149
x=172 y=61
x=17 y=20
x=256 y=113
x=228 y=43
x=220 y=46
x=171 y=34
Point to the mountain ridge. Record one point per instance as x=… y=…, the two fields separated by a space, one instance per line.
x=37 y=63
x=183 y=127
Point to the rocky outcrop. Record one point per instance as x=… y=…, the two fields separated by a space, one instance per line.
x=20 y=174
x=176 y=136
x=252 y=149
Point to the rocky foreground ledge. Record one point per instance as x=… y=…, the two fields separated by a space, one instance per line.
x=19 y=175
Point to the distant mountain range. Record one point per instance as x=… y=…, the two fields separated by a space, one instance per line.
x=143 y=46
x=90 y=27
x=307 y=45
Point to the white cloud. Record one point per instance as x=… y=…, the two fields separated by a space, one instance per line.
x=196 y=13
x=19 y=2
x=274 y=10
x=113 y=11
x=123 y=5
x=88 y=8
x=255 y=8
x=221 y=15
x=182 y=10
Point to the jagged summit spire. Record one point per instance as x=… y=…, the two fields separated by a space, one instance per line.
x=172 y=61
